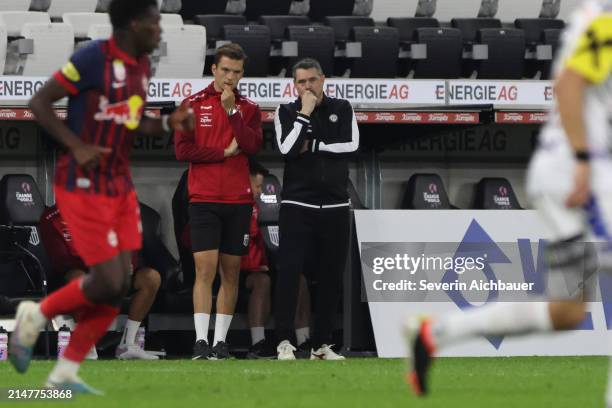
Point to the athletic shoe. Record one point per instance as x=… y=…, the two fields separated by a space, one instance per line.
x=285 y=351
x=421 y=349
x=260 y=351
x=133 y=352
x=29 y=321
x=220 y=352
x=92 y=354
x=201 y=350
x=75 y=384
x=303 y=350
x=325 y=352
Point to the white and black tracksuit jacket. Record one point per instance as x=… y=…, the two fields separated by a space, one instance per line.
x=317 y=178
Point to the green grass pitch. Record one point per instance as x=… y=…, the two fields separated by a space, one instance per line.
x=373 y=383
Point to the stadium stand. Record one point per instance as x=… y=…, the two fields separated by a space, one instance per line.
x=407 y=30
x=379 y=52
x=185 y=51
x=52 y=45
x=320 y=9
x=505 y=55
x=469 y=27
x=342 y=25
x=3 y=45
x=214 y=24
x=171 y=20
x=278 y=25
x=540 y=49
x=510 y=10
x=315 y=42
x=567 y=6
x=15 y=5
x=14 y=20
x=82 y=22
x=495 y=193
x=534 y=28
x=59 y=7
x=363 y=7
x=446 y=10
x=425 y=192
x=256 y=42
x=257 y=8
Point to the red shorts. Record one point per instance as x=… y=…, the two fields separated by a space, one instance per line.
x=100 y=226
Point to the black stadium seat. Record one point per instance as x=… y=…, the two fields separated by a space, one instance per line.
x=425 y=192
x=258 y=8
x=506 y=54
x=319 y=9
x=407 y=26
x=469 y=27
x=540 y=31
x=191 y=8
x=379 y=52
x=214 y=24
x=534 y=27
x=552 y=37
x=444 y=53
x=495 y=194
x=256 y=42
x=342 y=25
x=314 y=42
x=278 y=25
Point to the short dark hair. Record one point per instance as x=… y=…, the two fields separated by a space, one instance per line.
x=232 y=51
x=256 y=168
x=121 y=12
x=307 y=63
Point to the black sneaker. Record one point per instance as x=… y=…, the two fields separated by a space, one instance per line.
x=201 y=350
x=260 y=351
x=421 y=349
x=220 y=352
x=303 y=350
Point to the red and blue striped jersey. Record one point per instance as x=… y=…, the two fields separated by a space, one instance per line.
x=108 y=90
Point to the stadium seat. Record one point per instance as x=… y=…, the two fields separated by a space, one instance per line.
x=278 y=25
x=53 y=43
x=258 y=8
x=314 y=42
x=59 y=7
x=3 y=45
x=23 y=260
x=551 y=37
x=379 y=52
x=14 y=20
x=100 y=31
x=81 y=22
x=495 y=194
x=550 y=8
x=540 y=51
x=269 y=208
x=406 y=27
x=319 y=9
x=192 y=8
x=506 y=54
x=14 y=5
x=185 y=48
x=425 y=192
x=300 y=7
x=510 y=10
x=171 y=20
x=534 y=28
x=444 y=53
x=214 y=24
x=567 y=7
x=446 y=10
x=256 y=42
x=469 y=27
x=342 y=25
x=40 y=5
x=171 y=6
x=424 y=8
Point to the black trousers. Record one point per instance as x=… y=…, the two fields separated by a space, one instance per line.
x=320 y=234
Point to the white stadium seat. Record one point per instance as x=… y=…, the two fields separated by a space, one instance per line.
x=510 y=10
x=59 y=7
x=100 y=31
x=168 y=20
x=14 y=5
x=81 y=22
x=446 y=10
x=185 y=48
x=14 y=20
x=3 y=44
x=53 y=45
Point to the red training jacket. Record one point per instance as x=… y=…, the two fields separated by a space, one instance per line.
x=213 y=178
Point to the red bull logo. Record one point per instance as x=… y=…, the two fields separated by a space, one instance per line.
x=126 y=112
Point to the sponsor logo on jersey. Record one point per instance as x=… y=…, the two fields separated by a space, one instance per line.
x=126 y=112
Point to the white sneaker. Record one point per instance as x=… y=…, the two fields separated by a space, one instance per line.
x=72 y=383
x=92 y=354
x=29 y=321
x=325 y=352
x=285 y=351
x=133 y=352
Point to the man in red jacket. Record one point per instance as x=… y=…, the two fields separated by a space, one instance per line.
x=227 y=131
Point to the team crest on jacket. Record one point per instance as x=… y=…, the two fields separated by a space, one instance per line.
x=333 y=118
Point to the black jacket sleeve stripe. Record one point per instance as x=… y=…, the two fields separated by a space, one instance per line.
x=290 y=134
x=350 y=129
